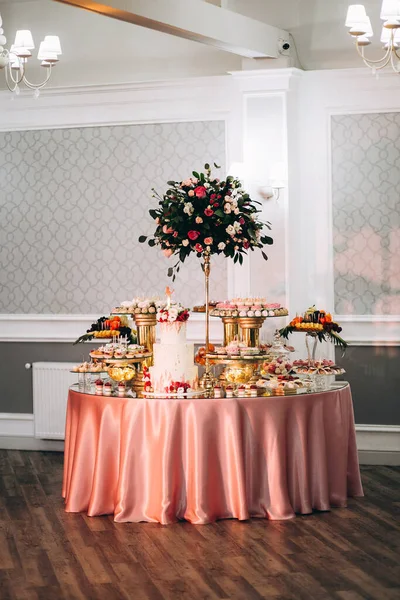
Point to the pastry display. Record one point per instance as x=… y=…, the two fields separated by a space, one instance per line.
x=90 y=367
x=315 y=367
x=139 y=306
x=119 y=351
x=248 y=307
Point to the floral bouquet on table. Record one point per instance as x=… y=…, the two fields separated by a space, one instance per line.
x=175 y=313
x=203 y=214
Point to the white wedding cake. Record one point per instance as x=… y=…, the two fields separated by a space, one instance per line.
x=173 y=356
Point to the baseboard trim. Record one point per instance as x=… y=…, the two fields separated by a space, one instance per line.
x=30 y=443
x=17 y=425
x=388 y=459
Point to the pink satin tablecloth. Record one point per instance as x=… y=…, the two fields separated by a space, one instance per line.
x=201 y=460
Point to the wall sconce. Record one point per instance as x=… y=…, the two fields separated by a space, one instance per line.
x=277 y=182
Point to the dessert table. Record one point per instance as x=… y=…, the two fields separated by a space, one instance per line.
x=162 y=460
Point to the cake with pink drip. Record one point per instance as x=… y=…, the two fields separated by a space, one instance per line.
x=174 y=370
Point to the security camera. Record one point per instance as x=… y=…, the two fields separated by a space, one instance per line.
x=284 y=46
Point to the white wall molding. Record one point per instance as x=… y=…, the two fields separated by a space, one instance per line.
x=371 y=330
x=16 y=424
x=378 y=438
x=67 y=328
x=323 y=94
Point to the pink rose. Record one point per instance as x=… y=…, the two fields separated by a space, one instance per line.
x=193 y=235
x=175 y=234
x=167 y=229
x=167 y=252
x=191 y=193
x=213 y=196
x=241 y=221
x=200 y=191
x=198 y=248
x=208 y=212
x=216 y=204
x=199 y=220
x=158 y=220
x=208 y=241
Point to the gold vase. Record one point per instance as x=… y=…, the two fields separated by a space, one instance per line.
x=250 y=330
x=231 y=329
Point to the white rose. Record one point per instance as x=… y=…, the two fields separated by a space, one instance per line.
x=230 y=230
x=188 y=208
x=221 y=246
x=237 y=227
x=185 y=243
x=227 y=209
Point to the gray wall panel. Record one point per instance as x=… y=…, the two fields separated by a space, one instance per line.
x=374 y=376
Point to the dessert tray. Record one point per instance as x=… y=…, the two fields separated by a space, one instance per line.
x=171 y=395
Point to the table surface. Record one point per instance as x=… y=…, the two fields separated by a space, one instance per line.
x=338 y=385
x=163 y=460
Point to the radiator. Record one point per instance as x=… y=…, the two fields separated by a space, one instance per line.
x=51 y=381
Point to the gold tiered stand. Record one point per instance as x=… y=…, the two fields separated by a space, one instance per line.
x=231 y=329
x=146 y=334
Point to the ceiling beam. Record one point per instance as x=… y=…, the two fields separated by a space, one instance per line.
x=194 y=20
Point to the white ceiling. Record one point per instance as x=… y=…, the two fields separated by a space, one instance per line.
x=101 y=50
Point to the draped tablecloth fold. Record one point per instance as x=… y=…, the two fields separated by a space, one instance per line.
x=207 y=459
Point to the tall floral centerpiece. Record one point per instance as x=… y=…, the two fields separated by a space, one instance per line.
x=206 y=215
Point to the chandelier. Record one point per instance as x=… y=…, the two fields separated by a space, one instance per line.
x=360 y=28
x=14 y=61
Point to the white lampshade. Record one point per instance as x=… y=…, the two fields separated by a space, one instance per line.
x=53 y=44
x=24 y=39
x=278 y=175
x=45 y=55
x=355 y=14
x=369 y=32
x=390 y=9
x=359 y=29
x=386 y=36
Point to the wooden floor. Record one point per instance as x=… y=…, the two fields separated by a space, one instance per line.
x=347 y=554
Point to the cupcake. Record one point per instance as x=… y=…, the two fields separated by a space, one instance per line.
x=99 y=387
x=121 y=388
x=107 y=388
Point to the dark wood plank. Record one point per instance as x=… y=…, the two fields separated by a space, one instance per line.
x=45 y=553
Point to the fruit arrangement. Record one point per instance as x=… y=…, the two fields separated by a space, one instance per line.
x=109 y=327
x=318 y=323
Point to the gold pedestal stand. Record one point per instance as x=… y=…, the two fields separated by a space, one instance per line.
x=146 y=333
x=207 y=380
x=231 y=329
x=250 y=330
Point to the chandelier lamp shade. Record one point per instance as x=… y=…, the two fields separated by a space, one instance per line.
x=359 y=25
x=15 y=60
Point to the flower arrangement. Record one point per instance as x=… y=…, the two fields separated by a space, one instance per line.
x=203 y=214
x=318 y=323
x=175 y=313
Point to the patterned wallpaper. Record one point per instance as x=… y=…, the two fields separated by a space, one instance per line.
x=73 y=203
x=366 y=213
